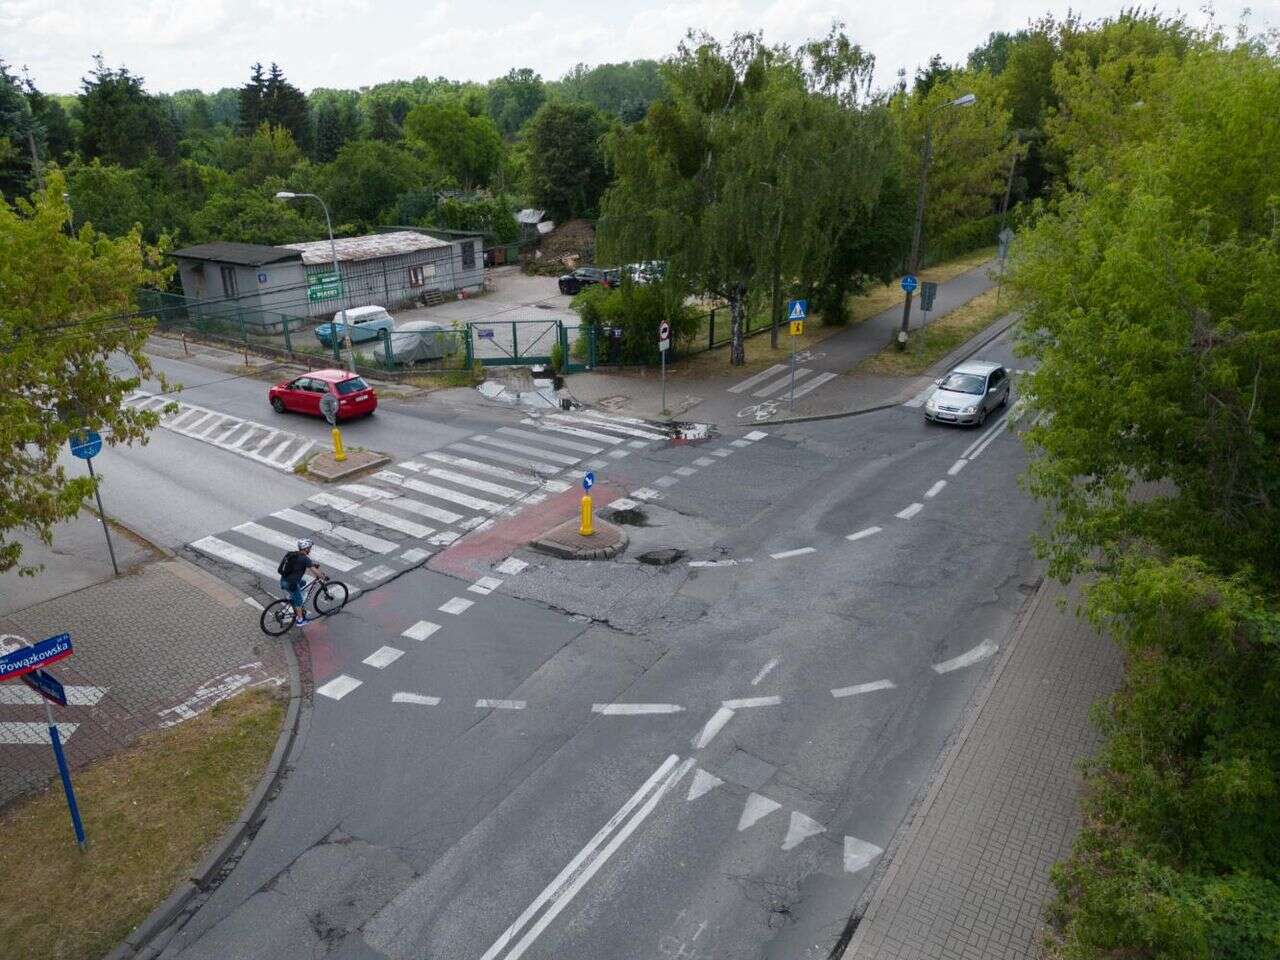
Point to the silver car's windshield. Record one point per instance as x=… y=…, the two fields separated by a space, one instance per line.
x=963 y=383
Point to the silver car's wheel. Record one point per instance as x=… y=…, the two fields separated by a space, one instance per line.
x=982 y=416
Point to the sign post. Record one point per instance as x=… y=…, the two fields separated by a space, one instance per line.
x=1005 y=238
x=797 y=310
x=586 y=526
x=329 y=407
x=909 y=284
x=26 y=662
x=86 y=445
x=928 y=293
x=664 y=344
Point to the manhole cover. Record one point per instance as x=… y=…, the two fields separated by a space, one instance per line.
x=661 y=558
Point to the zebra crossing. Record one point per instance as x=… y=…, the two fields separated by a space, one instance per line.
x=246 y=438
x=397 y=517
x=774 y=383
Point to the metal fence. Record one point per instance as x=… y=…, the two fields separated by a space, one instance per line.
x=292 y=335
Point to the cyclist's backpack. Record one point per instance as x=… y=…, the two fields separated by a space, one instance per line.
x=285 y=562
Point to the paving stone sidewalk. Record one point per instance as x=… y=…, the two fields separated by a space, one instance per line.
x=970 y=877
x=153 y=647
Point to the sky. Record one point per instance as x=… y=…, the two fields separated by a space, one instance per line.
x=210 y=44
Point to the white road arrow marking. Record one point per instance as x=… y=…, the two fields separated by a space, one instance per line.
x=983 y=650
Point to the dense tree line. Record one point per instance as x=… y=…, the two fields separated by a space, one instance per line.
x=1147 y=285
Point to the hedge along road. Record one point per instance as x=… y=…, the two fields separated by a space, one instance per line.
x=509 y=818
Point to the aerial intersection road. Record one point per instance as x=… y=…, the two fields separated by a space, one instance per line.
x=506 y=755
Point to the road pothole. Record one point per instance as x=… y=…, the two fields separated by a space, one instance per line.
x=662 y=557
x=634 y=517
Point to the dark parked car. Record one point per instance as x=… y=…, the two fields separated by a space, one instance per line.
x=572 y=283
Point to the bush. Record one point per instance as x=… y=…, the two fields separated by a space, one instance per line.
x=638 y=309
x=965 y=238
x=1180 y=854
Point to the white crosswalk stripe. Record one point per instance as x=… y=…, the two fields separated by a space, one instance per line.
x=814 y=382
x=782 y=382
x=466 y=487
x=758 y=379
x=245 y=438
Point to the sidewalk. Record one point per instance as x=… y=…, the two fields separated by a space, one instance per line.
x=829 y=384
x=152 y=647
x=970 y=877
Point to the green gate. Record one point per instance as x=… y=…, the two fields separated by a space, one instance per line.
x=499 y=343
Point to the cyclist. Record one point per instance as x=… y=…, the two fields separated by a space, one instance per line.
x=292 y=569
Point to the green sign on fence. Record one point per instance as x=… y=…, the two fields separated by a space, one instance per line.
x=323 y=286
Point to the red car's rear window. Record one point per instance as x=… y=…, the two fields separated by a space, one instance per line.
x=354 y=385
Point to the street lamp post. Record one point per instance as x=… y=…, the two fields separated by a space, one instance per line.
x=913 y=264
x=333 y=251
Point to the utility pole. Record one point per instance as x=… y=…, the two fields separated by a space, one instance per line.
x=913 y=264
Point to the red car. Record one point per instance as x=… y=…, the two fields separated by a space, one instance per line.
x=302 y=394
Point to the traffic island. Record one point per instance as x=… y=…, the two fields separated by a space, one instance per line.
x=564 y=541
x=324 y=466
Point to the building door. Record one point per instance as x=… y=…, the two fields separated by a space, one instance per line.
x=229 y=286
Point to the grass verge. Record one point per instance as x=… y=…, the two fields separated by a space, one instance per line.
x=150 y=813
x=940 y=339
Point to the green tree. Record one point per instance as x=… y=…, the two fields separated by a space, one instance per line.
x=60 y=298
x=363 y=182
x=622 y=90
x=515 y=98
x=120 y=122
x=252 y=216
x=567 y=170
x=272 y=99
x=464 y=147
x=20 y=134
x=269 y=152
x=114 y=200
x=382 y=121
x=744 y=174
x=490 y=215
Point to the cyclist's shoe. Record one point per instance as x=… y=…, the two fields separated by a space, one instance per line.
x=301 y=623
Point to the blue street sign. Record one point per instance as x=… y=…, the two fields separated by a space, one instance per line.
x=484 y=334
x=909 y=283
x=588 y=481
x=37 y=655
x=46 y=685
x=86 y=444
x=797 y=309
x=262 y=278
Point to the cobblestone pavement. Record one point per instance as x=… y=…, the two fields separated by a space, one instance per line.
x=152 y=648
x=970 y=877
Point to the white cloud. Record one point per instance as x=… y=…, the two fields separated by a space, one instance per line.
x=334 y=43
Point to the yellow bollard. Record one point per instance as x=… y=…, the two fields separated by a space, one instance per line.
x=338 y=453
x=585 y=528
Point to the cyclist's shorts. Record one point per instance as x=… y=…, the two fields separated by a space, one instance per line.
x=294 y=590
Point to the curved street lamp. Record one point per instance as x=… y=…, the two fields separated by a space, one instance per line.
x=914 y=263
x=333 y=251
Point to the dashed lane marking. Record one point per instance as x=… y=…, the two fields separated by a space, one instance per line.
x=421 y=630
x=417 y=698
x=956 y=467
x=485 y=586
x=908 y=512
x=935 y=489
x=863 y=534
x=501 y=704
x=981 y=652
x=747 y=702
x=456 y=606
x=339 y=687
x=764 y=671
x=383 y=657
x=511 y=565
x=635 y=709
x=859 y=688
x=785 y=554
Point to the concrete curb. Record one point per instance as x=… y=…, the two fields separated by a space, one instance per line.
x=871 y=901
x=564 y=552
x=138 y=943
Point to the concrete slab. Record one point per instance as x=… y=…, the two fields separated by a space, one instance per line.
x=566 y=542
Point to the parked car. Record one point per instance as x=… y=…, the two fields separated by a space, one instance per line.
x=419 y=340
x=968 y=393
x=572 y=283
x=302 y=394
x=365 y=323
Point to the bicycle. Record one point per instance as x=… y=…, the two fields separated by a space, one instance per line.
x=326 y=597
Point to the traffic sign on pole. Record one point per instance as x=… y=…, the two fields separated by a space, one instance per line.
x=928 y=293
x=45 y=684
x=588 y=481
x=909 y=283
x=86 y=444
x=30 y=658
x=797 y=309
x=797 y=327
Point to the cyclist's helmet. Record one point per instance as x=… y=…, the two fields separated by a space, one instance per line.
x=304 y=544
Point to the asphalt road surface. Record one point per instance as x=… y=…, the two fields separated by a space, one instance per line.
x=513 y=756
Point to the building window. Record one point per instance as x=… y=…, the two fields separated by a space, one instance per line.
x=469 y=255
x=229 y=282
x=421 y=273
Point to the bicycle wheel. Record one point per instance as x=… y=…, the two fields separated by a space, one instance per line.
x=329 y=597
x=277 y=618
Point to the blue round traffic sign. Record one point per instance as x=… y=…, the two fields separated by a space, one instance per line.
x=909 y=283
x=86 y=444
x=588 y=481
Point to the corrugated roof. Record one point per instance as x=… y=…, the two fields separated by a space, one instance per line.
x=366 y=248
x=243 y=254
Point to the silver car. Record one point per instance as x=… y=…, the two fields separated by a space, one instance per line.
x=968 y=393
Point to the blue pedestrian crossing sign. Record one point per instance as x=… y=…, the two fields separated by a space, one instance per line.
x=797 y=309
x=588 y=481
x=909 y=283
x=86 y=444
